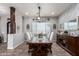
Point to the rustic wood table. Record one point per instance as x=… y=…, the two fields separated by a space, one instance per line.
x=40 y=48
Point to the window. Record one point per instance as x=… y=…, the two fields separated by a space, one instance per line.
x=41 y=27
x=70 y=26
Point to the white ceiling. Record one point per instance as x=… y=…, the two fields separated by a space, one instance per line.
x=31 y=9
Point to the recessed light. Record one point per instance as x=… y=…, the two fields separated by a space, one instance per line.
x=52 y=13
x=26 y=13
x=2 y=11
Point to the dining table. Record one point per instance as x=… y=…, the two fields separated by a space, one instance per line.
x=39 y=47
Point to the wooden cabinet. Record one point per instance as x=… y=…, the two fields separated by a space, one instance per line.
x=69 y=43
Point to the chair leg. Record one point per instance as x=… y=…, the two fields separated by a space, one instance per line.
x=50 y=50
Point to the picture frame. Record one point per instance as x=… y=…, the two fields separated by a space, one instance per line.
x=54 y=26
x=28 y=26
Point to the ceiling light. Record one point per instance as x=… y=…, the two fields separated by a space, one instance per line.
x=52 y=13
x=2 y=11
x=26 y=13
x=38 y=18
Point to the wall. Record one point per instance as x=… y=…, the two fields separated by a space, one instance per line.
x=70 y=14
x=19 y=36
x=3 y=27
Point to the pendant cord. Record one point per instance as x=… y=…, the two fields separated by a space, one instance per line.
x=39 y=10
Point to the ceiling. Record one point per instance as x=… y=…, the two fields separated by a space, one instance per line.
x=31 y=9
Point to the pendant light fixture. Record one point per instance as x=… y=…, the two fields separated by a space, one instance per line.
x=38 y=18
x=39 y=12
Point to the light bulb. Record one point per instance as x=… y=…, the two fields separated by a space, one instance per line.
x=38 y=17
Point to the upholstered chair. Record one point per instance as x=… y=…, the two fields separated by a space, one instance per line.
x=51 y=36
x=51 y=40
x=28 y=36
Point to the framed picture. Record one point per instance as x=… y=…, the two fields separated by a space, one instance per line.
x=28 y=26
x=54 y=26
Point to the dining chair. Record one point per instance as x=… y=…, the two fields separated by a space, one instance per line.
x=51 y=37
x=28 y=36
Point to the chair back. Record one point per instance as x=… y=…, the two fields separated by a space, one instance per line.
x=28 y=36
x=51 y=36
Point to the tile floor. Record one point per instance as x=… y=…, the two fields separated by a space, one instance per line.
x=22 y=50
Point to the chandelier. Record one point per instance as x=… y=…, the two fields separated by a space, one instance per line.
x=38 y=18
